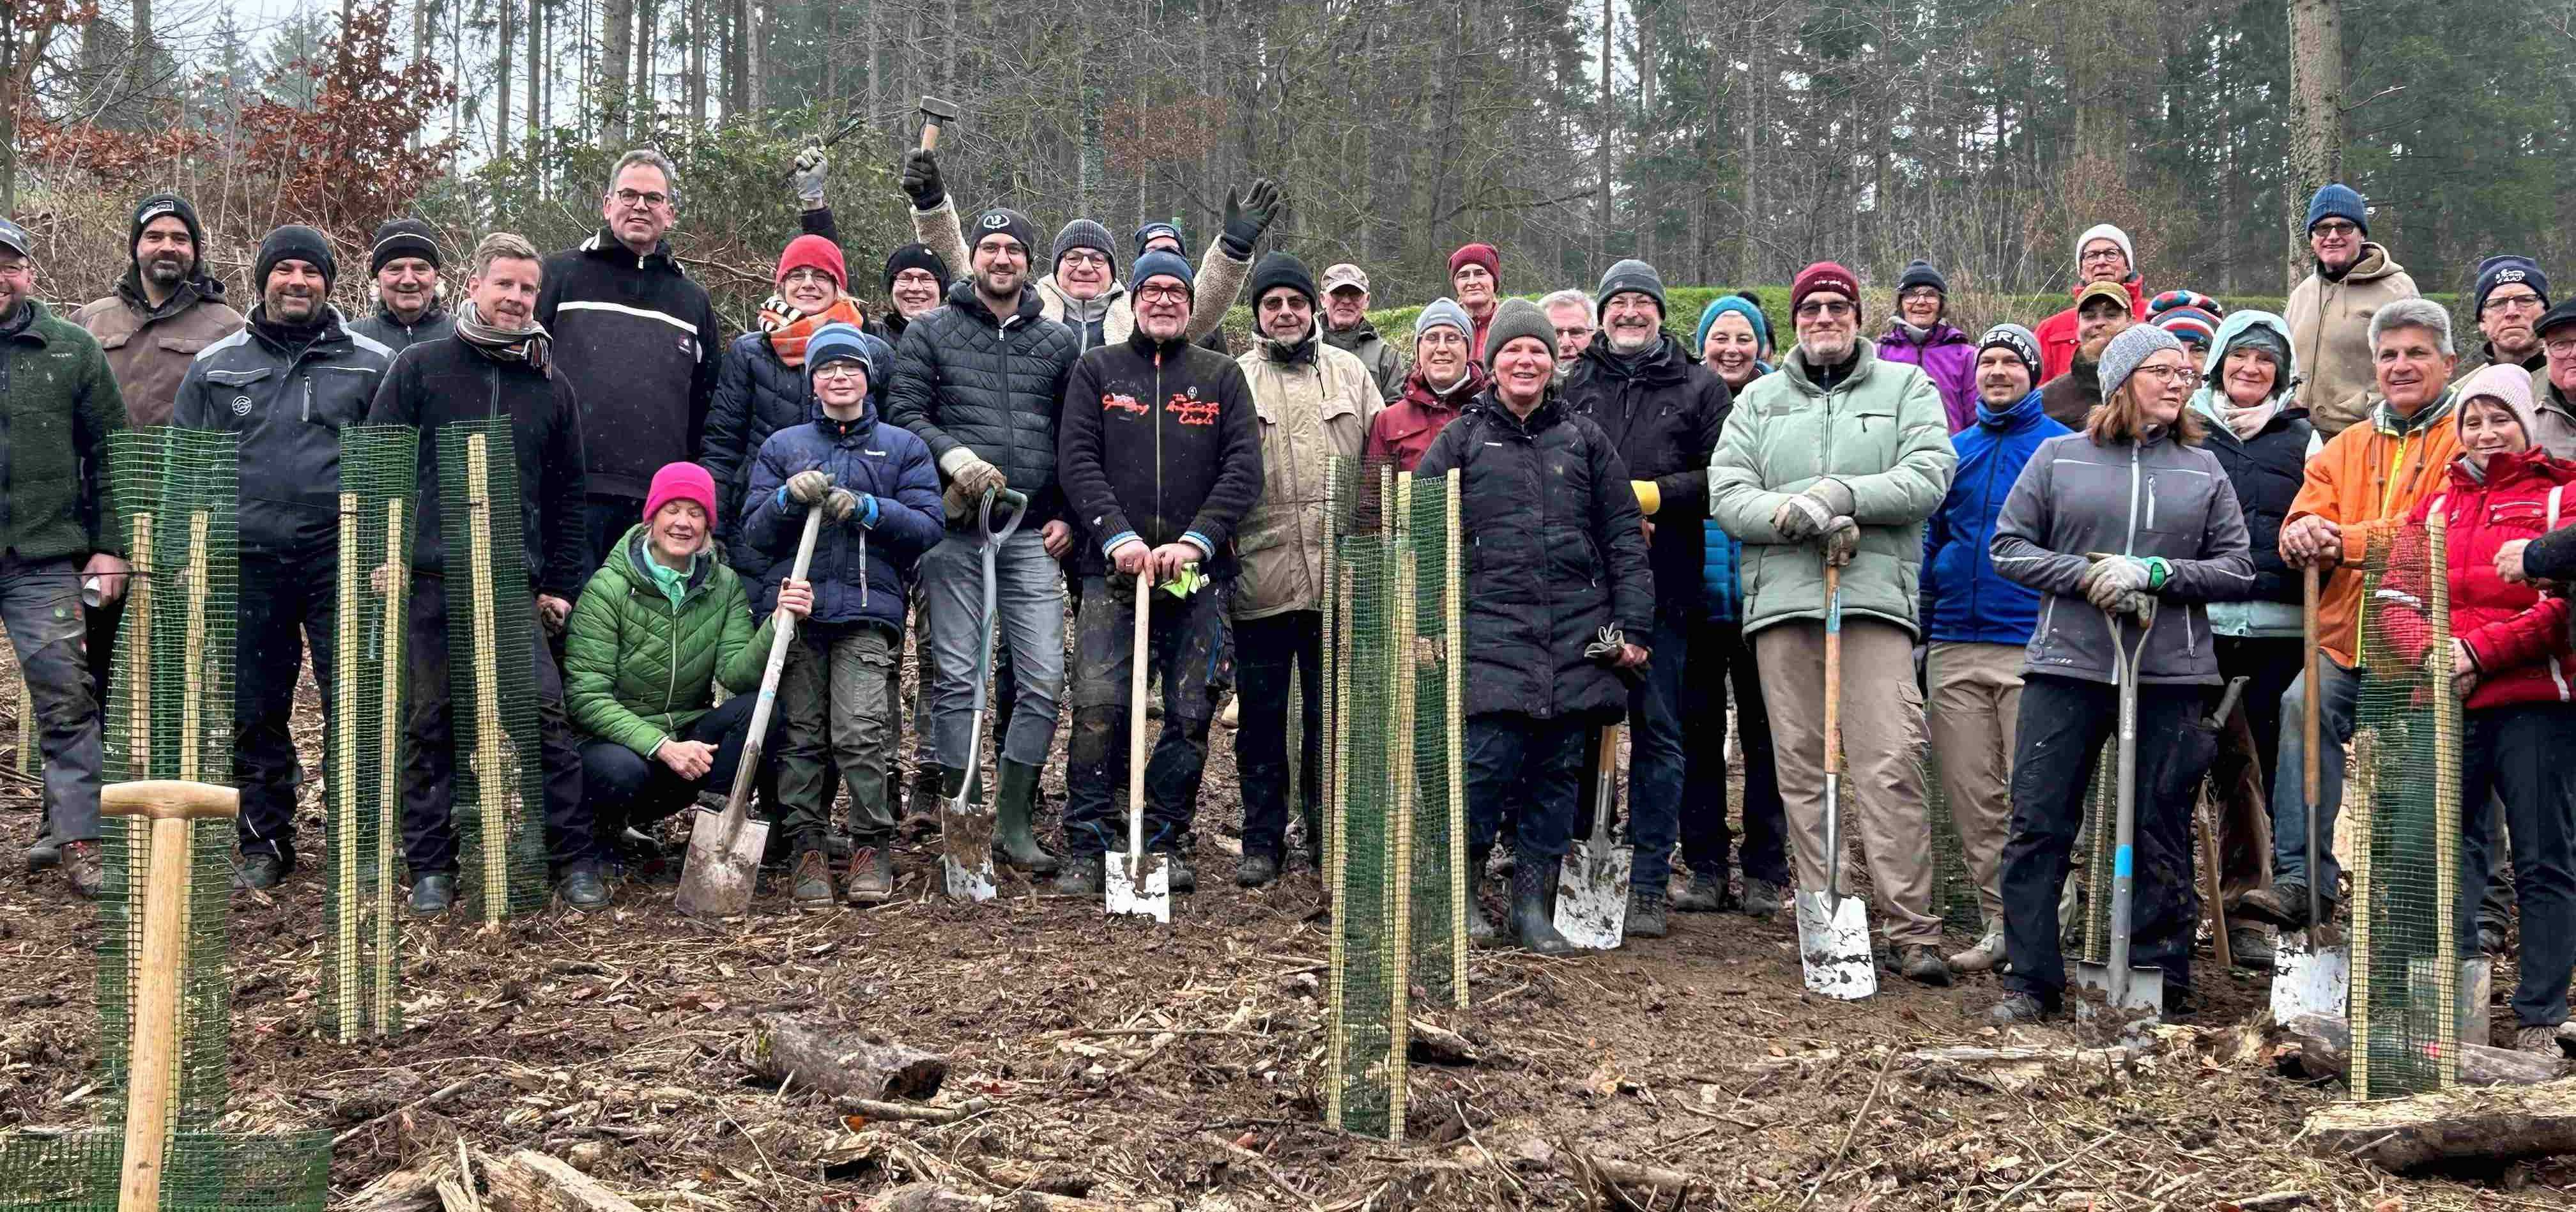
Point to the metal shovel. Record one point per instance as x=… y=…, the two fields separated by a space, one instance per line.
x=723 y=863
x=2311 y=968
x=965 y=832
x=1137 y=882
x=1833 y=933
x=1592 y=886
x=2123 y=987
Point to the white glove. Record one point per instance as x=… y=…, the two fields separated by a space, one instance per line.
x=812 y=168
x=2109 y=583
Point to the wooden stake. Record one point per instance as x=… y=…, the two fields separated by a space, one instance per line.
x=168 y=809
x=346 y=1007
x=1453 y=647
x=389 y=775
x=2446 y=804
x=495 y=783
x=1403 y=676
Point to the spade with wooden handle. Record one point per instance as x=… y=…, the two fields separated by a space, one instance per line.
x=166 y=807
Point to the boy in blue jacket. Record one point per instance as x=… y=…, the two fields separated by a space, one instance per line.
x=879 y=493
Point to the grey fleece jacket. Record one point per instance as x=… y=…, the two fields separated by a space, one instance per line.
x=2156 y=499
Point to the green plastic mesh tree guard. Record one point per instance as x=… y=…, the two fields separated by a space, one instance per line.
x=31 y=757
x=2098 y=842
x=1433 y=730
x=1365 y=1080
x=361 y=935
x=500 y=781
x=2401 y=804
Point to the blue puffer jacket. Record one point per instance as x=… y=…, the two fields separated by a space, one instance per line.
x=1964 y=600
x=861 y=568
x=756 y=396
x=1722 y=553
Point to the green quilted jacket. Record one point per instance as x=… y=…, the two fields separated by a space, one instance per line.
x=637 y=670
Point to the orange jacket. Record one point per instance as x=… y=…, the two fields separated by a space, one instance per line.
x=2366 y=481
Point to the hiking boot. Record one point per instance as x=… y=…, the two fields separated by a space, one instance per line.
x=921 y=805
x=2016 y=1009
x=1983 y=957
x=1080 y=875
x=1761 y=899
x=1183 y=877
x=1922 y=964
x=580 y=886
x=871 y=875
x=2251 y=948
x=1015 y=841
x=1256 y=870
x=260 y=870
x=1703 y=892
x=46 y=852
x=2282 y=906
x=81 y=867
x=2542 y=1041
x=1532 y=925
x=1646 y=913
x=810 y=880
x=1481 y=929
x=432 y=894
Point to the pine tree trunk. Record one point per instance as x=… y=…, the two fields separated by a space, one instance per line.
x=1649 y=203
x=755 y=68
x=501 y=82
x=647 y=15
x=1609 y=120
x=616 y=49
x=536 y=92
x=694 y=87
x=2316 y=116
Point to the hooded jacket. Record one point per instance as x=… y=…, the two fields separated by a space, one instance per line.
x=1554 y=554
x=149 y=348
x=2057 y=333
x=2330 y=336
x=288 y=404
x=756 y=396
x=639 y=670
x=1160 y=443
x=639 y=343
x=383 y=329
x=1406 y=429
x=1220 y=278
x=1385 y=365
x=2266 y=472
x=966 y=379
x=862 y=569
x=2365 y=480
x=449 y=379
x=1662 y=413
x=1723 y=553
x=2554 y=415
x=1946 y=354
x=58 y=403
x=1881 y=431
x=1314 y=403
x=2155 y=498
x=2516 y=634
x=1964 y=599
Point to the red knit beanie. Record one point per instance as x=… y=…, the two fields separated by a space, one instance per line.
x=813 y=252
x=681 y=482
x=1823 y=275
x=1477 y=254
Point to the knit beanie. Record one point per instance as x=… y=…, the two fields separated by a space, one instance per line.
x=158 y=205
x=2337 y=201
x=813 y=252
x=400 y=238
x=1919 y=272
x=2104 y=231
x=1747 y=308
x=2121 y=358
x=838 y=340
x=1003 y=220
x=1823 y=275
x=1160 y=228
x=1476 y=254
x=2186 y=314
x=1443 y=311
x=1280 y=269
x=294 y=242
x=1630 y=275
x=2508 y=384
x=916 y=256
x=1513 y=319
x=2017 y=339
x=2506 y=268
x=1083 y=233
x=1160 y=264
x=681 y=482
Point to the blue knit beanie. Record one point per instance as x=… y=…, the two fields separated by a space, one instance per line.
x=2505 y=268
x=2337 y=201
x=1739 y=305
x=1443 y=311
x=838 y=340
x=1160 y=264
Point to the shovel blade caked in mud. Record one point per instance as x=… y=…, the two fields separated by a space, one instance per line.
x=1833 y=947
x=1592 y=894
x=1139 y=885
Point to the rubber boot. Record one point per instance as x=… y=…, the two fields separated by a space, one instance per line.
x=1480 y=925
x=1013 y=841
x=1531 y=922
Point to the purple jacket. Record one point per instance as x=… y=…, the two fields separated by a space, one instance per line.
x=1950 y=357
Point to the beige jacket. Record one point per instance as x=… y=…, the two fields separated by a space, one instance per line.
x=1310 y=410
x=1220 y=278
x=2555 y=415
x=149 y=351
x=2330 y=337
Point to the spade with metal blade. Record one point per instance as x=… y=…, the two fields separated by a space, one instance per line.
x=1833 y=932
x=2124 y=987
x=1137 y=882
x=1592 y=887
x=723 y=863
x=965 y=831
x=2311 y=968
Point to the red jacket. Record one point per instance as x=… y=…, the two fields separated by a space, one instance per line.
x=2517 y=635
x=1403 y=431
x=2057 y=333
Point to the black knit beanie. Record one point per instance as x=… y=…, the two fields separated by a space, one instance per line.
x=400 y=238
x=294 y=242
x=915 y=256
x=156 y=206
x=1280 y=269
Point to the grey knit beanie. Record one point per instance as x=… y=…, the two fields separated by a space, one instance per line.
x=2121 y=358
x=1083 y=233
x=1629 y=276
x=1513 y=319
x=1443 y=311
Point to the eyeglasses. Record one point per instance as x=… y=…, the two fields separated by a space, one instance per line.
x=840 y=370
x=803 y=274
x=2563 y=347
x=2168 y=374
x=1083 y=256
x=2334 y=230
x=650 y=198
x=2524 y=302
x=1830 y=310
x=2105 y=254
x=1920 y=294
x=1161 y=294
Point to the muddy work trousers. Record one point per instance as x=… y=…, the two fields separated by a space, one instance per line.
x=1189 y=649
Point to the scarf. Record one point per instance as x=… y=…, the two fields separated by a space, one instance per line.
x=2245 y=423
x=532 y=345
x=789 y=330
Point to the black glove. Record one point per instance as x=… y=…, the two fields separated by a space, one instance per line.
x=1248 y=216
x=921 y=180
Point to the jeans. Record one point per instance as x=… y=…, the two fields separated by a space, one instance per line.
x=1030 y=597
x=2511 y=754
x=1530 y=769
x=1272 y=654
x=1189 y=645
x=837 y=697
x=290 y=603
x=2340 y=693
x=629 y=790
x=1656 y=754
x=40 y=604
x=1720 y=661
x=429 y=769
x=2064 y=726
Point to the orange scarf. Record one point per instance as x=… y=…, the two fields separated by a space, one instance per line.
x=788 y=331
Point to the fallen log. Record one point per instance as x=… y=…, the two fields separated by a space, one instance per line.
x=2325 y=1050
x=2489 y=1125
x=837 y=1062
x=931 y=1197
x=869 y=1108
x=1638 y=1177
x=529 y=1181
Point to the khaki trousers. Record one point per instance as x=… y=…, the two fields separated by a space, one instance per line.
x=1975 y=699
x=1882 y=787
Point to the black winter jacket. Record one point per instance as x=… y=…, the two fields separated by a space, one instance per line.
x=393 y=334
x=1553 y=555
x=637 y=341
x=967 y=379
x=1160 y=442
x=2266 y=474
x=756 y=396
x=1663 y=413
x=289 y=406
x=445 y=380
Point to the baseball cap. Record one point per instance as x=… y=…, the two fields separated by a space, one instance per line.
x=15 y=239
x=1345 y=274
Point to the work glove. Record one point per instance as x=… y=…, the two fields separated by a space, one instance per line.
x=1249 y=216
x=808 y=487
x=974 y=477
x=1841 y=541
x=812 y=168
x=839 y=504
x=953 y=499
x=2108 y=583
x=921 y=180
x=1807 y=514
x=1650 y=496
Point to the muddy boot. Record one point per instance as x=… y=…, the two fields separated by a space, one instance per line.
x=810 y=878
x=871 y=873
x=1646 y=914
x=1481 y=930
x=1014 y=843
x=1988 y=952
x=1703 y=892
x=921 y=805
x=1532 y=924
x=1761 y=899
x=1080 y=875
x=83 y=869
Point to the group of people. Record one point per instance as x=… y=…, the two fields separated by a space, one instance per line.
x=2006 y=524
